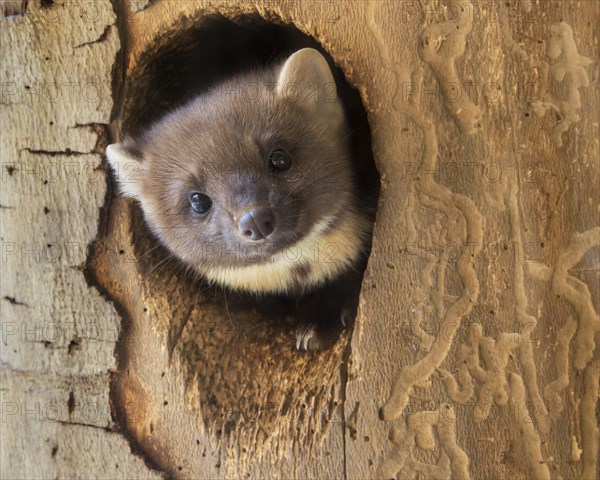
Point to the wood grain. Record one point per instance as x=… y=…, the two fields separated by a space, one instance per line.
x=475 y=350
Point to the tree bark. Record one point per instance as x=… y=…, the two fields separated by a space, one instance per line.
x=474 y=352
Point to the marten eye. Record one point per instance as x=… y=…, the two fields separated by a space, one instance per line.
x=200 y=203
x=279 y=161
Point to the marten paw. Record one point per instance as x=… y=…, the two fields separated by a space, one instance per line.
x=323 y=334
x=309 y=338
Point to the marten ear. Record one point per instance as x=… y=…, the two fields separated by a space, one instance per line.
x=306 y=78
x=126 y=163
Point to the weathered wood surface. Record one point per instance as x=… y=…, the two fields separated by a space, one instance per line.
x=474 y=354
x=58 y=334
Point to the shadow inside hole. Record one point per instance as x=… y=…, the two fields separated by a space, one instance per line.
x=229 y=340
x=192 y=59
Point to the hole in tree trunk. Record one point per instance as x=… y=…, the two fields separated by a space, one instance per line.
x=233 y=354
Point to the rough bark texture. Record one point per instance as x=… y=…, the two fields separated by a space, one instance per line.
x=474 y=354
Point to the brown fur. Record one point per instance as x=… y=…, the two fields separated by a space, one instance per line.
x=218 y=145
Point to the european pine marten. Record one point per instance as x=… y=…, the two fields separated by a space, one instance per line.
x=251 y=184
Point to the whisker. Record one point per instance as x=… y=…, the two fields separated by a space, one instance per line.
x=170 y=257
x=159 y=272
x=227 y=309
x=181 y=267
x=158 y=244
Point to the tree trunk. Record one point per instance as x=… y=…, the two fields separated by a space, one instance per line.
x=474 y=352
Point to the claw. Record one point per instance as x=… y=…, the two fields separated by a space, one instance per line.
x=304 y=337
x=308 y=336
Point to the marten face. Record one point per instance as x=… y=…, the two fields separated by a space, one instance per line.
x=253 y=178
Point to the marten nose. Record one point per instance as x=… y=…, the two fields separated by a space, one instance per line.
x=257 y=224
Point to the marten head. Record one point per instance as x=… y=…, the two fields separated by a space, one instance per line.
x=252 y=181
